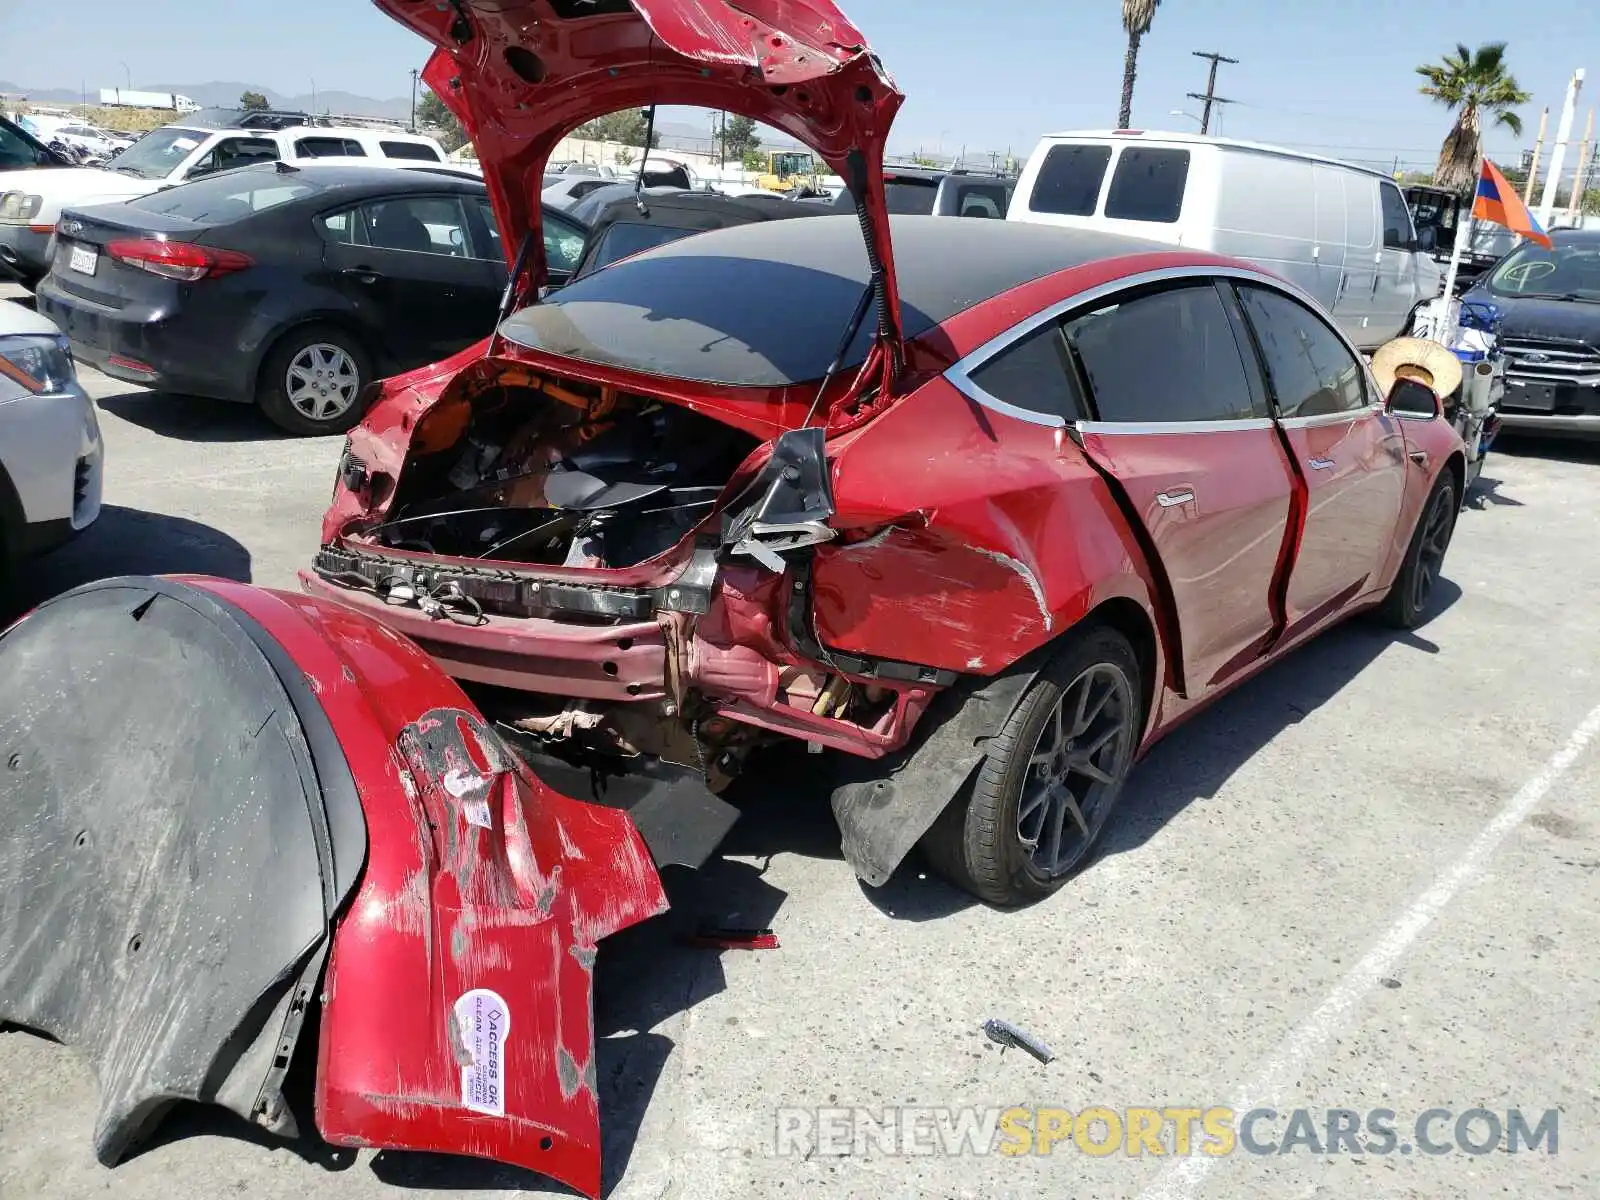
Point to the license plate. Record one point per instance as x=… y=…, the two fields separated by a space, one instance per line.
x=1539 y=396
x=84 y=259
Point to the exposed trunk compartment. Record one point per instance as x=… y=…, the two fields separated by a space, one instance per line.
x=542 y=471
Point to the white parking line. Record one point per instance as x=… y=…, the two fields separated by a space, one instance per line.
x=1183 y=1180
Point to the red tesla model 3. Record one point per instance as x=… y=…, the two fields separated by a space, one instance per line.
x=987 y=505
x=984 y=508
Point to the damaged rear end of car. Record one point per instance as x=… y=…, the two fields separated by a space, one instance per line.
x=236 y=816
x=600 y=520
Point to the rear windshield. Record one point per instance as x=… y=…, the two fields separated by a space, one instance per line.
x=1148 y=185
x=1069 y=180
x=159 y=152
x=627 y=238
x=907 y=196
x=223 y=199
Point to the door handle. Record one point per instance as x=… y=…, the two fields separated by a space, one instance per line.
x=1321 y=464
x=1173 y=499
x=364 y=274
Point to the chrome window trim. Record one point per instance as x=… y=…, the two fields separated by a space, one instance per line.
x=1230 y=425
x=959 y=375
x=1350 y=414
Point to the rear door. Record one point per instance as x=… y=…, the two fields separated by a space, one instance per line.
x=411 y=271
x=1350 y=453
x=1181 y=424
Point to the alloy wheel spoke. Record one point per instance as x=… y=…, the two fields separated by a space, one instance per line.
x=1057 y=819
x=1070 y=805
x=1089 y=713
x=1032 y=804
x=1082 y=764
x=1100 y=743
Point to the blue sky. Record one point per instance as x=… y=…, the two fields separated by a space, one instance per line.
x=1334 y=76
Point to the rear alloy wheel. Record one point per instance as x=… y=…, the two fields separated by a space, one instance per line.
x=311 y=382
x=1051 y=778
x=1407 y=602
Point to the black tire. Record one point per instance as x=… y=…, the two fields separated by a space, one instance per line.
x=333 y=370
x=1406 y=605
x=980 y=842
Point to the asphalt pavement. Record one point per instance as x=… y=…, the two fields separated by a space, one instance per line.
x=1369 y=880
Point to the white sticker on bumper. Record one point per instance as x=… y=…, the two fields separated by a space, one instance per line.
x=483 y=1023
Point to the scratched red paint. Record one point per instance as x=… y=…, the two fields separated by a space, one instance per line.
x=444 y=907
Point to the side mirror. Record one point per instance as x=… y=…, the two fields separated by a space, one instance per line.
x=1428 y=239
x=1412 y=398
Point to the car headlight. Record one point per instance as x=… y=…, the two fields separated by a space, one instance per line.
x=18 y=206
x=42 y=363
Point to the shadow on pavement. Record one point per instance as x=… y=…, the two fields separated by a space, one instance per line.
x=128 y=541
x=1194 y=762
x=1562 y=449
x=191 y=418
x=1485 y=493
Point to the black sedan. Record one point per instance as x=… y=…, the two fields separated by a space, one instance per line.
x=287 y=287
x=1549 y=304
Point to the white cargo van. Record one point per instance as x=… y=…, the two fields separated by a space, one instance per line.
x=1342 y=233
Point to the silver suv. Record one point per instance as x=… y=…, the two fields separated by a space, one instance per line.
x=51 y=457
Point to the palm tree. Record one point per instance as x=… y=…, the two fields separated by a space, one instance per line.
x=1136 y=18
x=1472 y=83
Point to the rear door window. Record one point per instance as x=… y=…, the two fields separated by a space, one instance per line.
x=563 y=243
x=1034 y=374
x=1311 y=371
x=1069 y=180
x=1163 y=356
x=420 y=224
x=1148 y=185
x=415 y=151
x=343 y=228
x=328 y=147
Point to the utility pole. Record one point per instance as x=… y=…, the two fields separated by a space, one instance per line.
x=1210 y=96
x=1538 y=149
x=414 y=74
x=1575 y=203
x=1558 y=155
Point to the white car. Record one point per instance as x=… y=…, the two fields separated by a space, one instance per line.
x=102 y=143
x=51 y=457
x=31 y=203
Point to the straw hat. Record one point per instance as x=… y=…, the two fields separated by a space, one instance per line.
x=1425 y=361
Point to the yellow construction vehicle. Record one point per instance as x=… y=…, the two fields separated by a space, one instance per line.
x=787 y=170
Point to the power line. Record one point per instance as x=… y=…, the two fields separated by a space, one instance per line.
x=1210 y=97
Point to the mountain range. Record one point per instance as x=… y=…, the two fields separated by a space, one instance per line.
x=681 y=135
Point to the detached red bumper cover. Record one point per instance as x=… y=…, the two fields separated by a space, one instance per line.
x=459 y=926
x=458 y=1007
